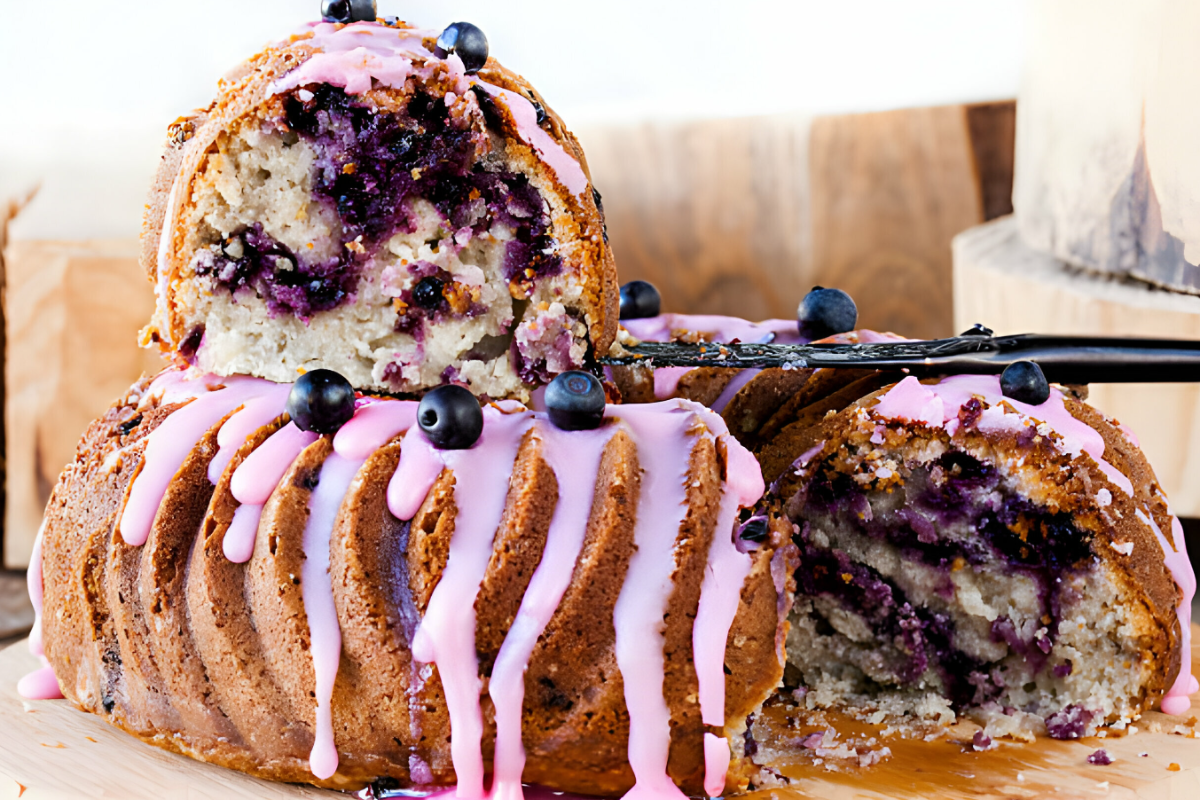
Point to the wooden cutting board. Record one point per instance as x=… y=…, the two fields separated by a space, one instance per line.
x=49 y=749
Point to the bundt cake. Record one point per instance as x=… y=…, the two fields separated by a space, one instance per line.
x=355 y=201
x=550 y=606
x=962 y=550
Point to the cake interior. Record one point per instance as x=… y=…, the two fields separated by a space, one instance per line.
x=407 y=232
x=951 y=591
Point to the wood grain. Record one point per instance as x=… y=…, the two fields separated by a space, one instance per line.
x=890 y=191
x=74 y=311
x=992 y=128
x=716 y=213
x=56 y=751
x=744 y=216
x=1011 y=288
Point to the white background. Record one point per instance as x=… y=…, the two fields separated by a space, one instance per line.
x=87 y=87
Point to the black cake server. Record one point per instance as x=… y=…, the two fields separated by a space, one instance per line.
x=1063 y=359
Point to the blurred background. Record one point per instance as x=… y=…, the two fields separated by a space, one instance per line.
x=746 y=151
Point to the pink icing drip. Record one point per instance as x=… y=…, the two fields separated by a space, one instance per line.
x=34 y=582
x=937 y=405
x=373 y=426
x=716 y=764
x=325 y=634
x=238 y=544
x=666 y=381
x=254 y=481
x=575 y=460
x=41 y=684
x=733 y=387
x=717 y=328
x=1177 y=700
x=169 y=444
x=257 y=477
x=446 y=635
x=525 y=116
x=721 y=592
x=664 y=442
x=233 y=434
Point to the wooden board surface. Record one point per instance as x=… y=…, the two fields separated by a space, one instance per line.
x=1011 y=288
x=49 y=749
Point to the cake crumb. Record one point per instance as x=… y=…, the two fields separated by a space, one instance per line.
x=1100 y=758
x=1173 y=767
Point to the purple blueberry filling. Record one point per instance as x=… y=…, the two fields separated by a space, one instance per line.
x=923 y=637
x=369 y=166
x=253 y=260
x=956 y=493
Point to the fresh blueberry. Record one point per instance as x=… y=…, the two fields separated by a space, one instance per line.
x=428 y=293
x=755 y=530
x=640 y=300
x=825 y=312
x=575 y=401
x=1025 y=382
x=347 y=11
x=321 y=401
x=468 y=41
x=978 y=329
x=451 y=418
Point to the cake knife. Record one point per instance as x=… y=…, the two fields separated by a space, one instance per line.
x=1063 y=359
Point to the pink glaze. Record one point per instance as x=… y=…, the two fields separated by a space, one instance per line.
x=937 y=405
x=169 y=444
x=34 y=581
x=1177 y=700
x=238 y=544
x=721 y=591
x=373 y=426
x=664 y=437
x=233 y=434
x=715 y=328
x=355 y=56
x=39 y=685
x=254 y=481
x=261 y=472
x=575 y=460
x=446 y=635
x=716 y=764
x=325 y=635
x=666 y=381
x=525 y=117
x=352 y=56
x=738 y=383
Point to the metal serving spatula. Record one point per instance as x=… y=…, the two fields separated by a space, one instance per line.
x=1063 y=359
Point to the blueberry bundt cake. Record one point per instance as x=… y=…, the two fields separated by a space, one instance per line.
x=360 y=199
x=323 y=583
x=963 y=550
x=341 y=609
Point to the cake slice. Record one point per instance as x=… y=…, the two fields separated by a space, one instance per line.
x=965 y=552
x=353 y=201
